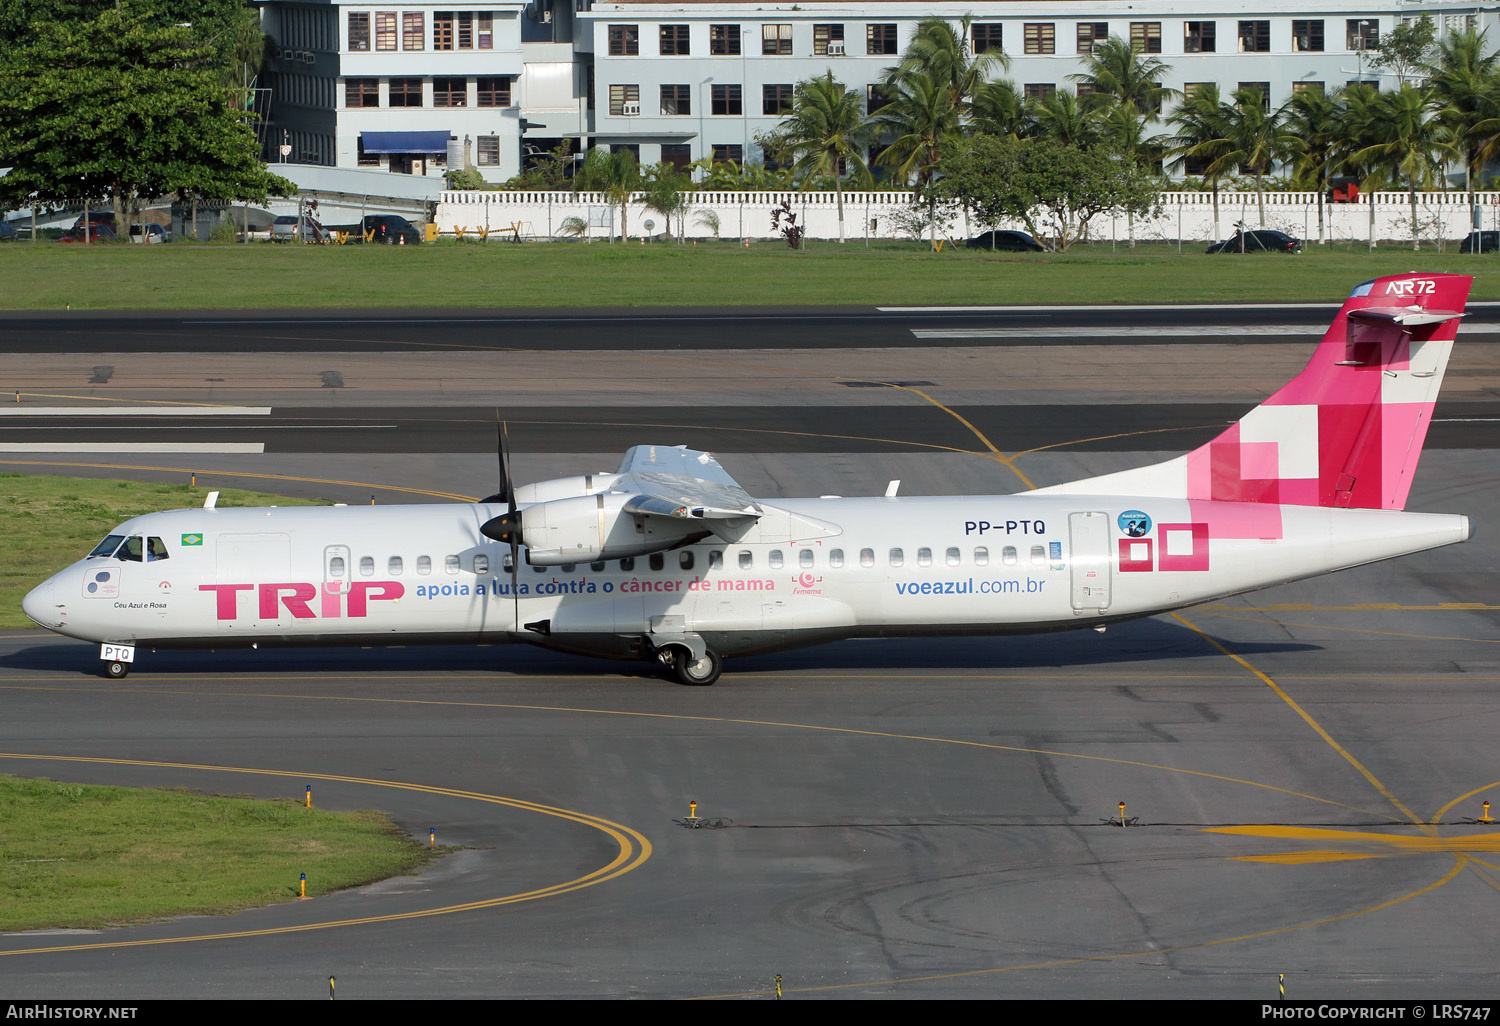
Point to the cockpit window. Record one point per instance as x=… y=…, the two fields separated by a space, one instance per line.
x=107 y=546
x=156 y=549
x=131 y=550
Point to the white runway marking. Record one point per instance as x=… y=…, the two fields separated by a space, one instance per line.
x=142 y=447
x=22 y=410
x=1246 y=331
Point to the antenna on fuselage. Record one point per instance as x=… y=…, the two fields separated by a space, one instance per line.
x=211 y=501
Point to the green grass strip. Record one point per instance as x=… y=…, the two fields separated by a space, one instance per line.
x=50 y=522
x=85 y=856
x=45 y=276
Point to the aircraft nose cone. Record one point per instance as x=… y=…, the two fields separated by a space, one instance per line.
x=42 y=605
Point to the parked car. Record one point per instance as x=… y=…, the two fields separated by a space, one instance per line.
x=286 y=229
x=387 y=228
x=1487 y=242
x=1261 y=240
x=1010 y=241
x=104 y=217
x=8 y=232
x=149 y=234
x=97 y=232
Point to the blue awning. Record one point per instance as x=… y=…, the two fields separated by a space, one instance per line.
x=405 y=142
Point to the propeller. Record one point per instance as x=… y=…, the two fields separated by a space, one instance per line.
x=506 y=527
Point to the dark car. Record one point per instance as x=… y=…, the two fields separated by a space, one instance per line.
x=1010 y=241
x=1480 y=242
x=8 y=232
x=97 y=232
x=1261 y=240
x=392 y=230
x=104 y=217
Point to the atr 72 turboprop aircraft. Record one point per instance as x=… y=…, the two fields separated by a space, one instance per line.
x=669 y=558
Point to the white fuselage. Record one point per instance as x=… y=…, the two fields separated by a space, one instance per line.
x=810 y=570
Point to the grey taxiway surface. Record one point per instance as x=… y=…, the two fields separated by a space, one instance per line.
x=903 y=819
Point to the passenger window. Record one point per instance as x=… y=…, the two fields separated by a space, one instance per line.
x=506 y=563
x=107 y=546
x=1038 y=555
x=539 y=569
x=953 y=556
x=568 y=568
x=835 y=558
x=131 y=550
x=805 y=558
x=450 y=564
x=1008 y=555
x=981 y=556
x=367 y=565
x=393 y=566
x=657 y=561
x=597 y=567
x=336 y=566
x=424 y=564
x=774 y=559
x=924 y=556
x=747 y=561
x=481 y=564
x=866 y=557
x=685 y=560
x=716 y=559
x=628 y=563
x=897 y=557
x=156 y=549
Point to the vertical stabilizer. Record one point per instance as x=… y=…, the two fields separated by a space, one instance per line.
x=1348 y=430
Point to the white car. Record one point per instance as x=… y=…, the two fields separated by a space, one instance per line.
x=149 y=234
x=286 y=229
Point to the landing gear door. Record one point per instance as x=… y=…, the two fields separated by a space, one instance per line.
x=1088 y=538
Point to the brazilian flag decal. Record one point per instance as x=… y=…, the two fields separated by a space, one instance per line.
x=192 y=539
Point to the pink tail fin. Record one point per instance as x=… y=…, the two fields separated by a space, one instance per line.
x=1348 y=430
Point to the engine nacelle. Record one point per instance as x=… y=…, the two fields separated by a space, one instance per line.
x=587 y=528
x=565 y=487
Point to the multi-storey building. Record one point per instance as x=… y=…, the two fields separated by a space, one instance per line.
x=358 y=86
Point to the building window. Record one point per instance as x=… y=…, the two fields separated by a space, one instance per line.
x=776 y=99
x=620 y=96
x=776 y=40
x=364 y=159
x=442 y=30
x=1307 y=36
x=450 y=92
x=1364 y=33
x=674 y=41
x=1264 y=88
x=412 y=30
x=359 y=31
x=1040 y=37
x=986 y=36
x=724 y=40
x=484 y=30
x=494 y=91
x=465 y=20
x=406 y=92
x=676 y=99
x=1091 y=34
x=726 y=100
x=361 y=92
x=1145 y=36
x=1040 y=90
x=874 y=98
x=1198 y=37
x=722 y=155
x=1255 y=37
x=624 y=40
x=880 y=38
x=1301 y=88
x=489 y=151
x=385 y=30
x=679 y=155
x=828 y=40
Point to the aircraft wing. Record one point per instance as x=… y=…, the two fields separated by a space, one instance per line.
x=674 y=481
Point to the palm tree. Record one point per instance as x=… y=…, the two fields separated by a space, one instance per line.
x=1114 y=71
x=615 y=174
x=827 y=131
x=922 y=125
x=1465 y=85
x=1200 y=136
x=1254 y=138
x=1409 y=142
x=1062 y=118
x=666 y=193
x=938 y=51
x=1316 y=121
x=998 y=109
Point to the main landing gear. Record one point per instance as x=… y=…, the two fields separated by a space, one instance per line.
x=116 y=670
x=695 y=670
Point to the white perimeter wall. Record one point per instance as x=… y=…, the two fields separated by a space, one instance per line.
x=1185 y=215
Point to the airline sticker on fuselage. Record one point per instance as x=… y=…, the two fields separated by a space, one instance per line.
x=1134 y=523
x=192 y=539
